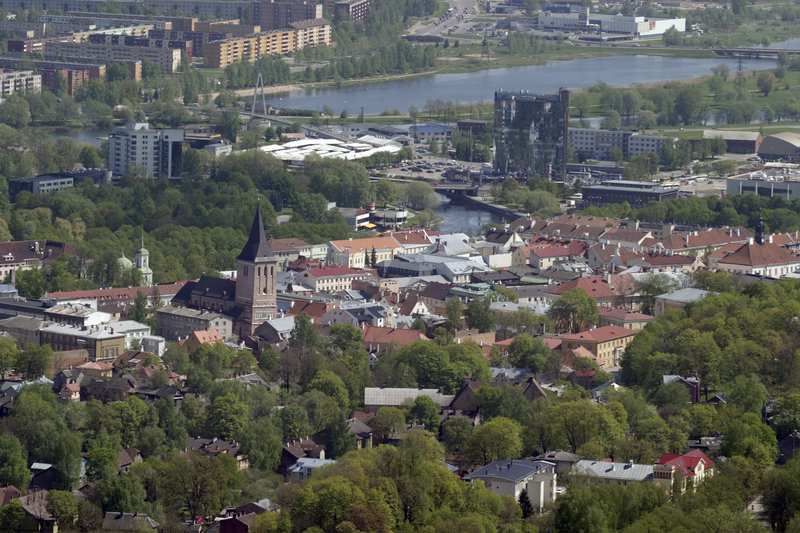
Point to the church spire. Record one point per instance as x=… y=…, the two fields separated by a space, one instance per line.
x=256 y=245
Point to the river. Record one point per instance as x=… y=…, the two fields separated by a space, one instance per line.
x=457 y=218
x=479 y=86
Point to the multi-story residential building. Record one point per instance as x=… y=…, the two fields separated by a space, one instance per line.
x=156 y=152
x=600 y=144
x=358 y=253
x=606 y=344
x=209 y=9
x=274 y=14
x=531 y=132
x=101 y=341
x=19 y=82
x=118 y=48
x=509 y=477
x=220 y=54
x=352 y=10
x=179 y=322
x=311 y=32
x=333 y=278
x=314 y=32
x=26 y=255
x=58 y=74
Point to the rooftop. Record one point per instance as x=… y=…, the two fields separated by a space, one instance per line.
x=601 y=334
x=396 y=397
x=514 y=470
x=687 y=295
x=613 y=471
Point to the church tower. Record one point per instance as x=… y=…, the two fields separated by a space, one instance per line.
x=141 y=260
x=256 y=280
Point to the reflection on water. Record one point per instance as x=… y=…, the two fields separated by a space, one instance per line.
x=479 y=86
x=458 y=218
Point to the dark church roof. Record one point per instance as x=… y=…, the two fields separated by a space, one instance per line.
x=256 y=245
x=208 y=286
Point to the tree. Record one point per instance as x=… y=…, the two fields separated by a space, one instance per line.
x=528 y=352
x=573 y=311
x=90 y=157
x=613 y=121
x=525 y=503
x=8 y=355
x=332 y=385
x=454 y=312
x=499 y=438
x=229 y=124
x=139 y=312
x=12 y=516
x=781 y=495
x=386 y=422
x=227 y=417
x=338 y=438
x=426 y=412
x=479 y=315
x=654 y=285
x=455 y=433
x=750 y=395
x=421 y=196
x=34 y=360
x=62 y=505
x=15 y=112
x=30 y=283
x=90 y=517
x=13 y=463
x=766 y=82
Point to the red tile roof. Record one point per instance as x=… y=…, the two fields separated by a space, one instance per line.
x=623 y=314
x=124 y=293
x=712 y=237
x=398 y=337
x=595 y=287
x=601 y=334
x=571 y=249
x=665 y=260
x=310 y=309
x=687 y=462
x=419 y=236
x=334 y=271
x=205 y=336
x=367 y=243
x=758 y=255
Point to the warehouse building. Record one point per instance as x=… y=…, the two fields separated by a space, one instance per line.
x=784 y=146
x=635 y=193
x=584 y=21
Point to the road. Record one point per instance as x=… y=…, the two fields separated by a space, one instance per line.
x=461 y=9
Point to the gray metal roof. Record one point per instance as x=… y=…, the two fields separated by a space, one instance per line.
x=613 y=471
x=513 y=470
x=396 y=397
x=687 y=295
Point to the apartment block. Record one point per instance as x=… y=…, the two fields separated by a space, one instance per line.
x=275 y=14
x=352 y=10
x=158 y=152
x=115 y=48
x=598 y=144
x=19 y=82
x=314 y=32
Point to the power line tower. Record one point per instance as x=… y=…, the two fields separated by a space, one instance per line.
x=258 y=90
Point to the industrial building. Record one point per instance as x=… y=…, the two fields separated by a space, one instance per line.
x=784 y=146
x=584 y=21
x=736 y=141
x=531 y=132
x=767 y=183
x=635 y=193
x=157 y=152
x=297 y=151
x=57 y=181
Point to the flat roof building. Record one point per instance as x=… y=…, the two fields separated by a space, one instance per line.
x=19 y=82
x=636 y=193
x=158 y=152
